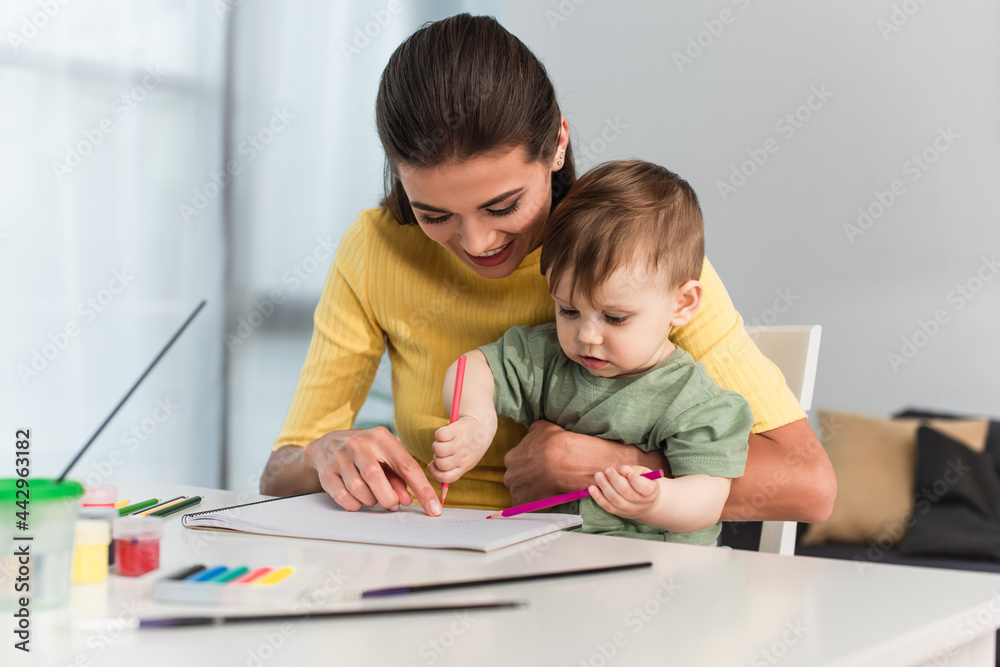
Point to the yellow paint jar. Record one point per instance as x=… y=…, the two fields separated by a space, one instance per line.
x=90 y=551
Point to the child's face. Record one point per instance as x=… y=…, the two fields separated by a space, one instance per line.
x=625 y=331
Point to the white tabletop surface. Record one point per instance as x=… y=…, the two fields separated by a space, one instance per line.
x=695 y=606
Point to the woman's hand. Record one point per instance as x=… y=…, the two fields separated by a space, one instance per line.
x=550 y=460
x=356 y=467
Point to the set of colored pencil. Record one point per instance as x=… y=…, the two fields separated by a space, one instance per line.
x=156 y=507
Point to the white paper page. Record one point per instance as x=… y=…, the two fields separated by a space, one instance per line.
x=317 y=516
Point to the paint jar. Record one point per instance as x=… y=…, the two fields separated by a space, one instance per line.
x=100 y=495
x=90 y=551
x=137 y=544
x=105 y=514
x=36 y=561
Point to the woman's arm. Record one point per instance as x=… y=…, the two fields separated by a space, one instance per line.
x=788 y=474
x=788 y=477
x=317 y=450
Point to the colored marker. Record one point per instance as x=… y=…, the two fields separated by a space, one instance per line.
x=275 y=576
x=208 y=575
x=136 y=507
x=558 y=500
x=456 y=400
x=253 y=576
x=122 y=503
x=157 y=506
x=185 y=572
x=176 y=507
x=232 y=574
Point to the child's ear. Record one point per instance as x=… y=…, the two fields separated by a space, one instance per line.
x=688 y=297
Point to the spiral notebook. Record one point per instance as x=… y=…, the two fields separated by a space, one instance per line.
x=316 y=516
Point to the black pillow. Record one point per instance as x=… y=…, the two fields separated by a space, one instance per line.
x=992 y=435
x=956 y=508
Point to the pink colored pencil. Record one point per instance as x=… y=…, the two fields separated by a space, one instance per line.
x=558 y=500
x=456 y=400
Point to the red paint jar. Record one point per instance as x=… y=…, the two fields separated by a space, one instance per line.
x=137 y=544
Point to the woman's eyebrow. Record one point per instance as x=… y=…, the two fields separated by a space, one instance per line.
x=496 y=200
x=501 y=197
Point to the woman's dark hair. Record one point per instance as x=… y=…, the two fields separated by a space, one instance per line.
x=460 y=87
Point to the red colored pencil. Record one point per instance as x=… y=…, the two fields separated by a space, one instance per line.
x=456 y=400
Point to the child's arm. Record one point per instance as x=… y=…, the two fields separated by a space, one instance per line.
x=680 y=505
x=459 y=446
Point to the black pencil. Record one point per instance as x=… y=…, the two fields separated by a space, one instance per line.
x=469 y=583
x=186 y=621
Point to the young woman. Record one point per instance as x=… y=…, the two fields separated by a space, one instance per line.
x=478 y=155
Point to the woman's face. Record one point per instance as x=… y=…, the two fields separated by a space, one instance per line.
x=488 y=210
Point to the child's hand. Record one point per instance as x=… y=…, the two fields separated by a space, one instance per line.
x=625 y=492
x=458 y=447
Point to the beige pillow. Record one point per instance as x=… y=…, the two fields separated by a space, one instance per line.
x=875 y=463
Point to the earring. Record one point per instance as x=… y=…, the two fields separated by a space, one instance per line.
x=561 y=154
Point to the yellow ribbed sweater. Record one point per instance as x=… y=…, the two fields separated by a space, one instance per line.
x=391 y=286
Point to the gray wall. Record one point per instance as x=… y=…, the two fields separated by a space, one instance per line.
x=893 y=86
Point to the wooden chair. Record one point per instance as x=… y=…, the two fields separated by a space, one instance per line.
x=795 y=351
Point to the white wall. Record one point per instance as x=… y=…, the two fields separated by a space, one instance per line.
x=781 y=235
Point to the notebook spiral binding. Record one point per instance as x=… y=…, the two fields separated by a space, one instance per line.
x=232 y=507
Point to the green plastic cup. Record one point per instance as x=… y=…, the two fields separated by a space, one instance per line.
x=51 y=516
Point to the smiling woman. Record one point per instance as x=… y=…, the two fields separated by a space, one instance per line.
x=492 y=233
x=478 y=155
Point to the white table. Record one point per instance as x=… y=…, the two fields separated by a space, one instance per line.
x=696 y=606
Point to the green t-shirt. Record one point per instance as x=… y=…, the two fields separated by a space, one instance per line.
x=674 y=406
